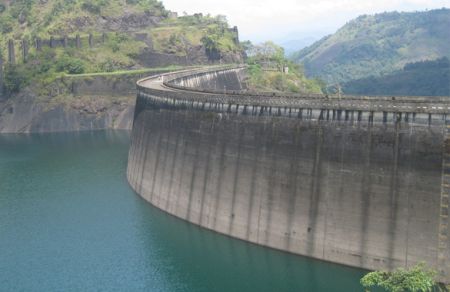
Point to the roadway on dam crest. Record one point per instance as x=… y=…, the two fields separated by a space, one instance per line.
x=363 y=103
x=353 y=180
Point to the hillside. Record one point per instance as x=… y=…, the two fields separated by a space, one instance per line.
x=76 y=62
x=30 y=18
x=426 y=78
x=125 y=35
x=372 y=45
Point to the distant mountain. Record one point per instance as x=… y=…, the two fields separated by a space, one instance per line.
x=426 y=78
x=372 y=45
x=293 y=45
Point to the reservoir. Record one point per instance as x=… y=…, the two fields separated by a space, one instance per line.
x=70 y=222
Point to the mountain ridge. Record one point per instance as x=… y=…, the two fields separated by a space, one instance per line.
x=373 y=45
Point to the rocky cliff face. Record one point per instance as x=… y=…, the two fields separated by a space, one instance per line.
x=196 y=55
x=128 y=22
x=71 y=104
x=27 y=113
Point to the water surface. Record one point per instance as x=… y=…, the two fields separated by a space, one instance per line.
x=70 y=222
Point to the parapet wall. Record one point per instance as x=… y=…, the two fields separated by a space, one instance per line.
x=357 y=181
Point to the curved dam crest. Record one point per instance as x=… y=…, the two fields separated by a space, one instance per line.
x=361 y=181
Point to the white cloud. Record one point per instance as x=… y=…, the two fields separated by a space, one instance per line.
x=268 y=19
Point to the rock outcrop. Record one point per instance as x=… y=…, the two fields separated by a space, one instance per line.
x=27 y=113
x=71 y=104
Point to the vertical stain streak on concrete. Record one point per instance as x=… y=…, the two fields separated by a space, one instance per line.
x=198 y=142
x=271 y=180
x=292 y=190
x=240 y=130
x=314 y=199
x=411 y=173
x=162 y=176
x=157 y=159
x=172 y=167
x=222 y=158
x=143 y=161
x=136 y=150
x=137 y=153
x=185 y=146
x=342 y=142
x=133 y=154
x=327 y=202
x=266 y=134
x=207 y=173
x=394 y=197
x=254 y=177
x=366 y=193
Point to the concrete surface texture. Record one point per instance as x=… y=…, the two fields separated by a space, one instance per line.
x=344 y=184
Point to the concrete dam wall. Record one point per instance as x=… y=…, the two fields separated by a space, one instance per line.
x=224 y=80
x=359 y=181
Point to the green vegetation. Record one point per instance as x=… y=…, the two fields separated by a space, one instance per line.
x=416 y=279
x=129 y=72
x=29 y=18
x=15 y=78
x=269 y=70
x=177 y=35
x=373 y=45
x=121 y=50
x=425 y=78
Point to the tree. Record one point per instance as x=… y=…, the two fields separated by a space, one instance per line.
x=416 y=279
x=70 y=65
x=268 y=52
x=247 y=46
x=16 y=78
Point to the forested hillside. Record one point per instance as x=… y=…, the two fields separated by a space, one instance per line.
x=426 y=78
x=372 y=45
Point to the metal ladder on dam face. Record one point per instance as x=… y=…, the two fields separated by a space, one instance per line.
x=443 y=264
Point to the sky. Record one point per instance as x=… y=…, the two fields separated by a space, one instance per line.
x=282 y=20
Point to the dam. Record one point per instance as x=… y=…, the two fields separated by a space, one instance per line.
x=361 y=181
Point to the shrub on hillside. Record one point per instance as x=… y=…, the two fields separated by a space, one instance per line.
x=70 y=65
x=15 y=78
x=6 y=24
x=94 y=6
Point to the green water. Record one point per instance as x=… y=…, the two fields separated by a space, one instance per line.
x=70 y=222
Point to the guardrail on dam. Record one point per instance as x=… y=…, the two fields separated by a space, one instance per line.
x=361 y=181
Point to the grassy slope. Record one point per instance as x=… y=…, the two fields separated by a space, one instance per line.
x=378 y=44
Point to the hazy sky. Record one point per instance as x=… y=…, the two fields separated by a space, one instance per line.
x=260 y=20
